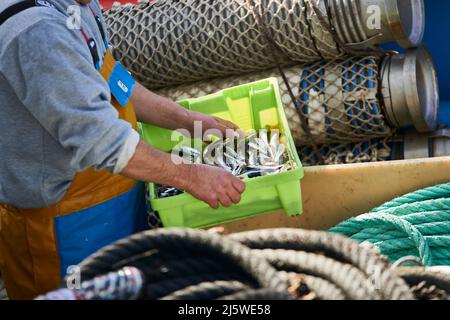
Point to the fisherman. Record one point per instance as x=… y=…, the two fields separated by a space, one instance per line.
x=70 y=152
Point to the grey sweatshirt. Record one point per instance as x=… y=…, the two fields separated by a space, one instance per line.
x=56 y=118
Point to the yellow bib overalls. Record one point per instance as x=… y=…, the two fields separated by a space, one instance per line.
x=97 y=209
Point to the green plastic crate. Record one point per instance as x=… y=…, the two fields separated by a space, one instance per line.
x=252 y=106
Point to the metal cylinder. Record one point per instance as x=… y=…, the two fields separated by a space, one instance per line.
x=440 y=143
x=408 y=145
x=124 y=284
x=410 y=90
x=414 y=145
x=172 y=42
x=379 y=21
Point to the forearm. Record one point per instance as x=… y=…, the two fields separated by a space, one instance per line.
x=151 y=165
x=159 y=111
x=207 y=183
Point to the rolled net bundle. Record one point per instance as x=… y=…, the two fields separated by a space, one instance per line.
x=338 y=98
x=356 y=152
x=173 y=42
x=347 y=99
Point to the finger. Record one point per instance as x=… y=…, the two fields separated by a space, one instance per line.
x=224 y=130
x=240 y=133
x=239 y=185
x=234 y=196
x=225 y=200
x=228 y=124
x=212 y=202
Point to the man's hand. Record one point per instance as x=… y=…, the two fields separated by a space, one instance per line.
x=210 y=184
x=214 y=186
x=153 y=109
x=211 y=122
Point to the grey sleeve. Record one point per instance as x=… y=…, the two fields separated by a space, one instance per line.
x=51 y=70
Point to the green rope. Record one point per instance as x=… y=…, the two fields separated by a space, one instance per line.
x=417 y=224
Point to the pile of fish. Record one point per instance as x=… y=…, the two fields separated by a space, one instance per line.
x=254 y=156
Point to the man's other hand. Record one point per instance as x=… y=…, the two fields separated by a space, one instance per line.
x=214 y=186
x=215 y=123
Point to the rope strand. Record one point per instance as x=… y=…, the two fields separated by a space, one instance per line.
x=417 y=224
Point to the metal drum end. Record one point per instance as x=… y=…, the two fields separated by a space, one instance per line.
x=410 y=90
x=407 y=22
x=401 y=21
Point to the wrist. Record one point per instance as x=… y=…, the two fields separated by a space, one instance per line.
x=183 y=175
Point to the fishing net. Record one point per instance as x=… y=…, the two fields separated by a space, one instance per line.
x=338 y=98
x=360 y=152
x=173 y=42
